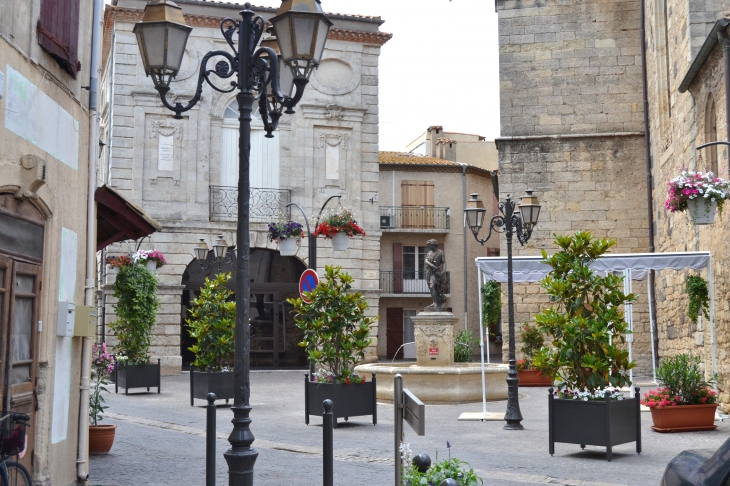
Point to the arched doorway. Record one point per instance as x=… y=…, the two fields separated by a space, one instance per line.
x=274 y=336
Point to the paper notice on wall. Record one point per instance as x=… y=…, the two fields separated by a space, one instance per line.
x=165 y=152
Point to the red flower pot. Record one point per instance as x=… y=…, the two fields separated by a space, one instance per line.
x=684 y=418
x=533 y=378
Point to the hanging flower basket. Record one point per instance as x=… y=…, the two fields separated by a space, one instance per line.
x=701 y=210
x=152 y=259
x=288 y=247
x=339 y=226
x=700 y=194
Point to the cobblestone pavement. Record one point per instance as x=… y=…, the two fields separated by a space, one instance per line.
x=160 y=440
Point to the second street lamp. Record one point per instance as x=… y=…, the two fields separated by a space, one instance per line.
x=521 y=224
x=301 y=29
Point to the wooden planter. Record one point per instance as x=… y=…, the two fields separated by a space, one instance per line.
x=137 y=376
x=204 y=382
x=600 y=423
x=101 y=438
x=348 y=400
x=533 y=378
x=684 y=418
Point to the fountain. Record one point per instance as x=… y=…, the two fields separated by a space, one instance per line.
x=435 y=378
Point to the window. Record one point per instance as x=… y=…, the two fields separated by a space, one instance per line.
x=661 y=40
x=711 y=135
x=58 y=32
x=417 y=204
x=414 y=277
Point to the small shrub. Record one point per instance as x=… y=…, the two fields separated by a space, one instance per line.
x=683 y=377
x=532 y=341
x=464 y=346
x=212 y=324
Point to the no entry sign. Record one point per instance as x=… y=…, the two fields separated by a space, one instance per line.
x=307 y=282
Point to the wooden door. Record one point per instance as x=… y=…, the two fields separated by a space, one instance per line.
x=18 y=321
x=394 y=331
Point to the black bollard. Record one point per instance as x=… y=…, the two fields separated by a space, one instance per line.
x=210 y=441
x=328 y=440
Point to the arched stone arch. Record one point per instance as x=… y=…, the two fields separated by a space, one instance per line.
x=38 y=203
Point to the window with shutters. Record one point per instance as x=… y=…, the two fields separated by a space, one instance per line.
x=58 y=32
x=414 y=276
x=417 y=204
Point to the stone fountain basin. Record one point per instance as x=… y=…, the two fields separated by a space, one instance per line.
x=460 y=383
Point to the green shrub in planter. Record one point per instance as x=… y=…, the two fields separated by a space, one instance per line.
x=465 y=346
x=212 y=324
x=136 y=289
x=585 y=327
x=336 y=330
x=532 y=341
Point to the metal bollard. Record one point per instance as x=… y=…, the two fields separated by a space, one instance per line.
x=328 y=444
x=210 y=441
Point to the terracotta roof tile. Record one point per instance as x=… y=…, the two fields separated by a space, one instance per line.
x=406 y=158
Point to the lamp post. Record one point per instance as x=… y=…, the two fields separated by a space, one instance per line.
x=301 y=29
x=221 y=255
x=313 y=239
x=521 y=224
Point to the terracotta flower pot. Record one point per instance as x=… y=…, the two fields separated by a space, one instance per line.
x=684 y=418
x=101 y=438
x=533 y=378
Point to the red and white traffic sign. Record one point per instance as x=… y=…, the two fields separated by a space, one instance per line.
x=307 y=282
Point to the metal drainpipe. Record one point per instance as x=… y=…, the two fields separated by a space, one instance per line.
x=82 y=456
x=649 y=183
x=466 y=280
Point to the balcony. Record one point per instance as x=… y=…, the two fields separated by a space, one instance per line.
x=414 y=219
x=398 y=283
x=266 y=204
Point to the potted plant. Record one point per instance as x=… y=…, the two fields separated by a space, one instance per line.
x=532 y=340
x=699 y=297
x=686 y=402
x=287 y=236
x=419 y=471
x=336 y=332
x=587 y=331
x=701 y=194
x=465 y=345
x=101 y=437
x=491 y=307
x=151 y=259
x=212 y=323
x=339 y=225
x=136 y=290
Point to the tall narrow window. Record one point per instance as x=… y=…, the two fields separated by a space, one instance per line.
x=414 y=277
x=711 y=134
x=661 y=41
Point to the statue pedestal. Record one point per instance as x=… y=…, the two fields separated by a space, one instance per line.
x=434 y=333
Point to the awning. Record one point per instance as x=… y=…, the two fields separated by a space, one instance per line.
x=118 y=219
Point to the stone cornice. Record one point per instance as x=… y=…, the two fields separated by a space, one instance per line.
x=332 y=112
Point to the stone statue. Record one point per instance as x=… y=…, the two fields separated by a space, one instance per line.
x=435 y=275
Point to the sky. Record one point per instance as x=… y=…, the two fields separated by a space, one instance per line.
x=440 y=68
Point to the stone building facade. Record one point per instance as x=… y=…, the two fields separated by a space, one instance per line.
x=329 y=147
x=572 y=130
x=572 y=127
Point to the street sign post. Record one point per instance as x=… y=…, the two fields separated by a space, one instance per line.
x=307 y=282
x=409 y=408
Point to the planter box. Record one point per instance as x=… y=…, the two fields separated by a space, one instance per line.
x=348 y=400
x=204 y=382
x=533 y=378
x=137 y=376
x=606 y=424
x=684 y=418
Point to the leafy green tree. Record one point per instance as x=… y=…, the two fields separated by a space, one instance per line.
x=212 y=324
x=336 y=329
x=136 y=289
x=585 y=326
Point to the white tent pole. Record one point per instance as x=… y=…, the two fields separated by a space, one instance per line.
x=629 y=316
x=712 y=317
x=651 y=330
x=482 y=331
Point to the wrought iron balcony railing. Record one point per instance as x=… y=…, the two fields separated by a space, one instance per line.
x=400 y=282
x=411 y=218
x=266 y=204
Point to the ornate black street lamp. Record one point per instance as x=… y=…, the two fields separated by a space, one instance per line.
x=222 y=254
x=521 y=224
x=301 y=30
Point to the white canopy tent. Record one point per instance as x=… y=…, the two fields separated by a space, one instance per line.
x=634 y=266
